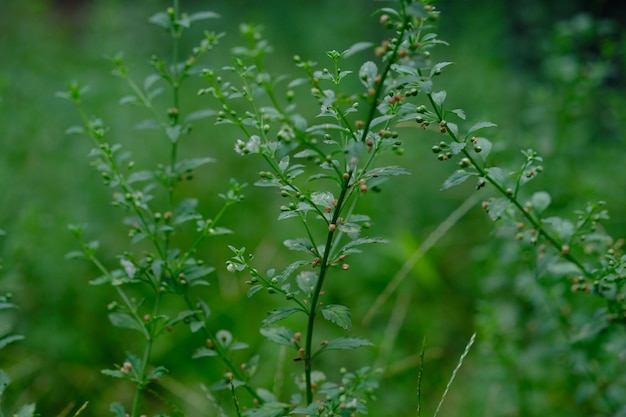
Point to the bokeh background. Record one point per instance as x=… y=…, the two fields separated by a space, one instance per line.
x=551 y=74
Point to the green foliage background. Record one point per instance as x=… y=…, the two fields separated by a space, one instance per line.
x=550 y=75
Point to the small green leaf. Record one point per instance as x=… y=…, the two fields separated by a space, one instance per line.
x=347 y=343
x=126 y=321
x=480 y=125
x=306 y=281
x=438 y=67
x=362 y=241
x=439 y=97
x=357 y=47
x=161 y=19
x=268 y=409
x=322 y=198
x=117 y=409
x=496 y=173
x=456 y=178
x=190 y=164
x=367 y=73
x=173 y=132
x=253 y=290
x=157 y=373
x=114 y=373
x=279 y=334
x=278 y=314
x=203 y=352
x=338 y=314
x=301 y=244
x=203 y=15
x=457 y=147
x=540 y=201
x=497 y=207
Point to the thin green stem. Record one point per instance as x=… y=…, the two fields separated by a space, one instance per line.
x=308 y=350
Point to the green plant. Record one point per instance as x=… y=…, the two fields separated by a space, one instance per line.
x=325 y=164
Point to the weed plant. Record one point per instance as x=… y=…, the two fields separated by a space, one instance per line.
x=327 y=166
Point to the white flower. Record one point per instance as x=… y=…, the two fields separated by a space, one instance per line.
x=253 y=144
x=240 y=147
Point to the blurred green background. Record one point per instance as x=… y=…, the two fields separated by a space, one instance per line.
x=550 y=74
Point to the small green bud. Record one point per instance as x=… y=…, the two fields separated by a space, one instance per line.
x=464 y=163
x=436 y=149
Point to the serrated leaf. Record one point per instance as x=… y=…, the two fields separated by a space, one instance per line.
x=357 y=47
x=496 y=173
x=158 y=372
x=279 y=334
x=125 y=320
x=300 y=244
x=455 y=179
x=347 y=343
x=117 y=409
x=426 y=86
x=338 y=314
x=480 y=125
x=485 y=146
x=140 y=176
x=322 y=198
x=278 y=314
x=497 y=207
x=540 y=201
x=563 y=228
x=114 y=373
x=307 y=280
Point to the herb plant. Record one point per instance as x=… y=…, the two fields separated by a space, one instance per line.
x=324 y=164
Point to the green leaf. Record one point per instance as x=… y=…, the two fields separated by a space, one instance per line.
x=307 y=280
x=253 y=290
x=438 y=67
x=203 y=15
x=126 y=321
x=203 y=352
x=563 y=228
x=480 y=125
x=322 y=198
x=497 y=207
x=6 y=340
x=300 y=244
x=459 y=112
x=496 y=173
x=357 y=47
x=347 y=343
x=455 y=179
x=157 y=373
x=117 y=409
x=457 y=147
x=540 y=201
x=268 y=409
x=161 y=19
x=173 y=132
x=439 y=97
x=278 y=314
x=338 y=314
x=114 y=373
x=279 y=334
x=361 y=241
x=190 y=164
x=367 y=73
